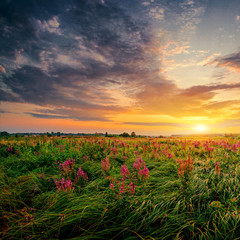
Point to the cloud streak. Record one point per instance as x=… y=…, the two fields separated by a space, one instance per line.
x=231 y=61
x=156 y=124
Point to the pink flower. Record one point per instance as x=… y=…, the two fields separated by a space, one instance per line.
x=144 y=173
x=122 y=187
x=132 y=188
x=124 y=171
x=64 y=185
x=105 y=165
x=67 y=166
x=81 y=173
x=112 y=186
x=138 y=164
x=185 y=165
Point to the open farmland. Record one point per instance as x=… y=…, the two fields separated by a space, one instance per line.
x=120 y=188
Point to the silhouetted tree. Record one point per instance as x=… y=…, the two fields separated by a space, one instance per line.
x=133 y=134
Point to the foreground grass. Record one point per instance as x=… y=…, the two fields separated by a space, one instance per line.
x=201 y=202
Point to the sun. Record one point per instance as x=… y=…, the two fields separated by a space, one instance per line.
x=201 y=128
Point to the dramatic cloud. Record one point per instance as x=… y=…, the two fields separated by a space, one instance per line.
x=92 y=60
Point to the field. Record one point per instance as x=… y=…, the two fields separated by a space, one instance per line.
x=119 y=188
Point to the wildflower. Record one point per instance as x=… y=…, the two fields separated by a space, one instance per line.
x=64 y=185
x=114 y=150
x=185 y=166
x=217 y=168
x=112 y=186
x=144 y=173
x=138 y=164
x=122 y=187
x=81 y=173
x=234 y=147
x=67 y=166
x=9 y=149
x=124 y=171
x=132 y=188
x=105 y=165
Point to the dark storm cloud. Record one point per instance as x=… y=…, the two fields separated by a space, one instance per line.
x=67 y=53
x=9 y=97
x=17 y=27
x=35 y=86
x=31 y=84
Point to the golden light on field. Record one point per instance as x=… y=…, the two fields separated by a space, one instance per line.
x=201 y=128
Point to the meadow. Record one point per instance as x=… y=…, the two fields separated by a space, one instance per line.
x=119 y=188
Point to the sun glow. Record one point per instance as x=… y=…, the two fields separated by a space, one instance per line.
x=201 y=128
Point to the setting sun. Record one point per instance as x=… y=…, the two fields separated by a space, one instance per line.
x=201 y=128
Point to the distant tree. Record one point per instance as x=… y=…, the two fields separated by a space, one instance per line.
x=125 y=134
x=58 y=134
x=49 y=134
x=4 y=133
x=17 y=135
x=133 y=134
x=106 y=134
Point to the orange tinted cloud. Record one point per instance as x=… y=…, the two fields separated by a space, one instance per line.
x=167 y=98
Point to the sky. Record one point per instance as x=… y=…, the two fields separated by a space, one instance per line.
x=155 y=67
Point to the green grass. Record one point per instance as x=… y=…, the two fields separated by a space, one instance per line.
x=200 y=204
